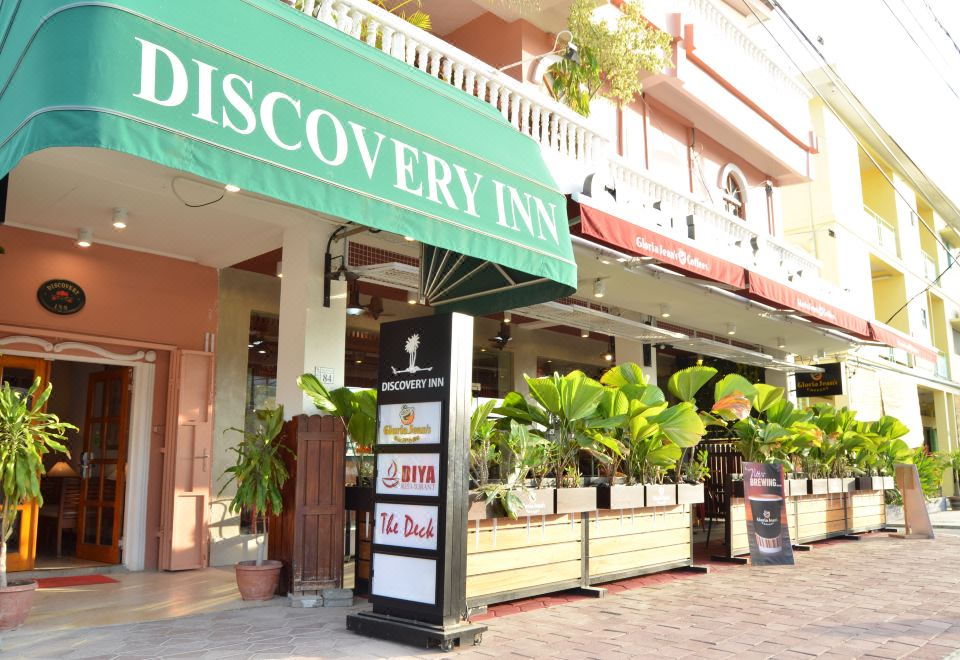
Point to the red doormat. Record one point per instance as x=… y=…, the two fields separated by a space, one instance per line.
x=74 y=581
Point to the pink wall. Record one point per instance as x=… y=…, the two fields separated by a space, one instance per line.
x=491 y=39
x=130 y=295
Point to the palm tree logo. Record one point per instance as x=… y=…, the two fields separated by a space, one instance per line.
x=413 y=343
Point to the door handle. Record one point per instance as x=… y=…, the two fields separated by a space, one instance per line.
x=85 y=458
x=204 y=457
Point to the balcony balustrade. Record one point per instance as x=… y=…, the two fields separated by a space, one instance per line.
x=570 y=136
x=882 y=231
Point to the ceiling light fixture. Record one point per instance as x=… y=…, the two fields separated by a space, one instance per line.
x=231 y=188
x=781 y=342
x=665 y=310
x=611 y=350
x=599 y=288
x=409 y=239
x=412 y=297
x=119 y=218
x=354 y=308
x=584 y=333
x=731 y=328
x=279 y=269
x=85 y=238
x=507 y=317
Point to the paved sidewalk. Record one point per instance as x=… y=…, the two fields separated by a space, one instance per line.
x=940 y=520
x=877 y=597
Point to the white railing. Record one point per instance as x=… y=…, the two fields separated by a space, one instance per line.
x=550 y=123
x=930 y=271
x=681 y=215
x=884 y=232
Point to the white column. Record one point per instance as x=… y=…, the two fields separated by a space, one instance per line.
x=632 y=351
x=782 y=379
x=312 y=337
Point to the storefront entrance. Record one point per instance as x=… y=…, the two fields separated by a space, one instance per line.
x=81 y=519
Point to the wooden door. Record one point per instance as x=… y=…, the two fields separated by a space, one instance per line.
x=20 y=372
x=103 y=465
x=187 y=468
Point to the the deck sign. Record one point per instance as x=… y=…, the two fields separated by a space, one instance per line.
x=419 y=555
x=767 y=528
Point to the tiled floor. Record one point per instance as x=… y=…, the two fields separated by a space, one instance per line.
x=878 y=597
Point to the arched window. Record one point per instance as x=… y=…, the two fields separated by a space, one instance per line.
x=734 y=186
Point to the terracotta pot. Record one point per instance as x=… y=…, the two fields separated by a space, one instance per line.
x=258 y=582
x=15 y=602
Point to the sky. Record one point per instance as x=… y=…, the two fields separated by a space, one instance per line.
x=913 y=89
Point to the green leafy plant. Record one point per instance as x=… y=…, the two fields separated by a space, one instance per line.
x=357 y=412
x=930 y=467
x=524 y=452
x=259 y=471
x=953 y=462
x=699 y=469
x=483 y=448
x=613 y=55
x=27 y=432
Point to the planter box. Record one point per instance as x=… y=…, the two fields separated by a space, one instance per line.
x=621 y=497
x=795 y=486
x=817 y=486
x=888 y=483
x=737 y=488
x=358 y=498
x=575 y=500
x=834 y=485
x=661 y=495
x=536 y=502
x=869 y=483
x=690 y=494
x=848 y=484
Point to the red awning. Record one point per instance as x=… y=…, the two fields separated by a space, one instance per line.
x=641 y=241
x=769 y=290
x=891 y=337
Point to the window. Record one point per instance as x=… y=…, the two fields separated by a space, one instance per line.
x=733 y=197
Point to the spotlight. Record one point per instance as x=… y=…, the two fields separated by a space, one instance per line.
x=731 y=328
x=354 y=308
x=507 y=317
x=412 y=297
x=85 y=238
x=599 y=288
x=231 y=188
x=119 y=218
x=781 y=342
x=609 y=354
x=584 y=332
x=279 y=269
x=665 y=311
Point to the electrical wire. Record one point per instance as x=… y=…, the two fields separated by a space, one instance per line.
x=942 y=27
x=173 y=189
x=799 y=31
x=917 y=44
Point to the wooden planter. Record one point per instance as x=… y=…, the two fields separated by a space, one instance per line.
x=623 y=544
x=536 y=502
x=621 y=497
x=690 y=494
x=819 y=517
x=575 y=500
x=661 y=495
x=817 y=486
x=866 y=510
x=869 y=483
x=795 y=486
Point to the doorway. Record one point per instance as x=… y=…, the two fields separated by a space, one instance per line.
x=81 y=520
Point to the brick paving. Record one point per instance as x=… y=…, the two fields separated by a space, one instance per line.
x=874 y=598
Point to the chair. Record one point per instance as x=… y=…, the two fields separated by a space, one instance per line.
x=66 y=510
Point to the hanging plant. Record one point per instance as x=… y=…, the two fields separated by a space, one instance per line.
x=613 y=54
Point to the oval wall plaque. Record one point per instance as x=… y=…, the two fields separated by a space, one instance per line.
x=61 y=297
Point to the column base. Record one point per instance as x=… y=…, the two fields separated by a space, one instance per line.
x=415 y=633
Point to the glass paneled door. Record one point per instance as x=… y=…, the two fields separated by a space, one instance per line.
x=103 y=465
x=20 y=372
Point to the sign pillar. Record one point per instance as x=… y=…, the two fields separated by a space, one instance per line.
x=419 y=554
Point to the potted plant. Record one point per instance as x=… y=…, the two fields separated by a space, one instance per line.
x=26 y=434
x=953 y=462
x=259 y=474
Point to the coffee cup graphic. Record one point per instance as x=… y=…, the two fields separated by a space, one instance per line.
x=765 y=511
x=407 y=413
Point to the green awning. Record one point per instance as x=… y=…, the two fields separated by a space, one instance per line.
x=254 y=93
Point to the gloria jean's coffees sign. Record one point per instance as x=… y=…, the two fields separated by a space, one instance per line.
x=828 y=383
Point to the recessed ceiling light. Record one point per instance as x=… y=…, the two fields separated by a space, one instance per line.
x=231 y=188
x=599 y=288
x=409 y=239
x=731 y=328
x=665 y=310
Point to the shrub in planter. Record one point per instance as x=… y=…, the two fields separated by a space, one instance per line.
x=259 y=474
x=26 y=434
x=953 y=462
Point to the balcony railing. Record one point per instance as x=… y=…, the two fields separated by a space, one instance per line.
x=682 y=216
x=942 y=368
x=557 y=128
x=552 y=124
x=930 y=271
x=884 y=232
